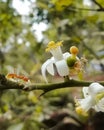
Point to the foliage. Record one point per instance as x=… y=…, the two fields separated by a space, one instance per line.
x=21 y=52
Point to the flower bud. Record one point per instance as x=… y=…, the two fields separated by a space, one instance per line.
x=71 y=61
x=74 y=50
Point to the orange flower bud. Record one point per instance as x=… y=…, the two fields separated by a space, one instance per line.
x=74 y=50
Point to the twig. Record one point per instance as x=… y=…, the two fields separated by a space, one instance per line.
x=99 y=5
x=80 y=9
x=8 y=84
x=86 y=9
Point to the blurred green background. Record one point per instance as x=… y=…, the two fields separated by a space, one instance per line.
x=23 y=39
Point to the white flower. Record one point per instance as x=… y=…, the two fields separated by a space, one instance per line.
x=100 y=105
x=93 y=98
x=57 y=63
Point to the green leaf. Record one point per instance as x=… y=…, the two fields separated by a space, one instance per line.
x=16 y=127
x=60 y=4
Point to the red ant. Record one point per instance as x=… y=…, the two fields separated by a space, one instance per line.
x=13 y=76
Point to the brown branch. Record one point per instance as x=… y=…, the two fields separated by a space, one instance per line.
x=81 y=9
x=85 y=9
x=8 y=84
x=99 y=5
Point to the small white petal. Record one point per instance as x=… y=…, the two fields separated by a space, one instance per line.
x=100 y=106
x=57 y=53
x=86 y=103
x=62 y=68
x=85 y=91
x=48 y=65
x=95 y=88
x=66 y=55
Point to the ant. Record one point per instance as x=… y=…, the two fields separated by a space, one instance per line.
x=15 y=76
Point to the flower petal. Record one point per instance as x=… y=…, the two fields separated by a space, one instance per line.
x=57 y=53
x=48 y=65
x=95 y=88
x=62 y=68
x=66 y=55
x=86 y=103
x=100 y=106
x=85 y=91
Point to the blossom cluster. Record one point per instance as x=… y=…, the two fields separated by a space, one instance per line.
x=60 y=63
x=93 y=98
x=66 y=64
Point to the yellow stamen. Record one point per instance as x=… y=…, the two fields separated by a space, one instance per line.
x=53 y=45
x=81 y=111
x=99 y=96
